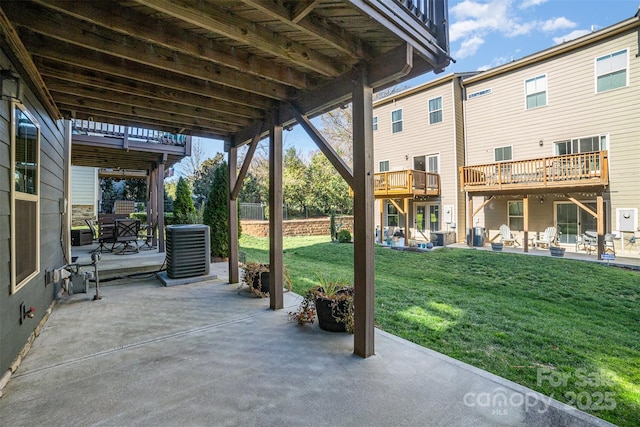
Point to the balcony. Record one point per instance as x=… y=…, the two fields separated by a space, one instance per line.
x=571 y=172
x=406 y=183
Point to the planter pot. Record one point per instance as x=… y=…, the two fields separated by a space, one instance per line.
x=261 y=282
x=556 y=251
x=327 y=313
x=497 y=246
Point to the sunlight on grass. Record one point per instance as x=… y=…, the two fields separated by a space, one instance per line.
x=446 y=308
x=419 y=315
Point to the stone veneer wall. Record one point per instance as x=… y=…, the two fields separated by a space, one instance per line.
x=81 y=212
x=297 y=227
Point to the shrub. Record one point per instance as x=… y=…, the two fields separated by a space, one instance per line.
x=344 y=236
x=184 y=212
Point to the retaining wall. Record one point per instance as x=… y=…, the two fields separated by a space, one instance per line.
x=298 y=227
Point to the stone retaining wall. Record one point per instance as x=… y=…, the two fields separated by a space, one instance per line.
x=298 y=227
x=81 y=212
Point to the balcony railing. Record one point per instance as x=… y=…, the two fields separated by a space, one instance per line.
x=87 y=127
x=406 y=183
x=572 y=170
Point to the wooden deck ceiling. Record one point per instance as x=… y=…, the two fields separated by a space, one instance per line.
x=218 y=69
x=572 y=172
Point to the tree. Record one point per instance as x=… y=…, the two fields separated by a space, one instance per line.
x=216 y=215
x=326 y=188
x=184 y=212
x=204 y=176
x=190 y=164
x=294 y=185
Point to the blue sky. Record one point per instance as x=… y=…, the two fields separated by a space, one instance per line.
x=487 y=33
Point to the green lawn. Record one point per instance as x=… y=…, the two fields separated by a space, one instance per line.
x=568 y=329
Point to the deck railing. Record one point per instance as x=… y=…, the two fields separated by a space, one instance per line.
x=87 y=127
x=571 y=170
x=406 y=182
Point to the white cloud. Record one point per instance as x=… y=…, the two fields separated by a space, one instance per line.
x=474 y=17
x=469 y=47
x=531 y=3
x=572 y=35
x=555 y=24
x=494 y=63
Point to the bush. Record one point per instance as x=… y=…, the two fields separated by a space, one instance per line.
x=344 y=236
x=184 y=211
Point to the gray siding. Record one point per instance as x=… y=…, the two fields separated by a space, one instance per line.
x=85 y=182
x=13 y=336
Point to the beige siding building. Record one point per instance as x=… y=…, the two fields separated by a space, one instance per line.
x=420 y=131
x=543 y=119
x=550 y=140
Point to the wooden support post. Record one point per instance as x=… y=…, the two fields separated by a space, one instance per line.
x=152 y=206
x=276 y=276
x=525 y=214
x=600 y=224
x=232 y=211
x=363 y=262
x=381 y=221
x=407 y=225
x=470 y=219
x=160 y=198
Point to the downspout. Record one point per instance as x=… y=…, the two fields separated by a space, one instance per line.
x=67 y=215
x=463 y=92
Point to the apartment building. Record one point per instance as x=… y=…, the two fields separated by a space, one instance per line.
x=552 y=139
x=419 y=143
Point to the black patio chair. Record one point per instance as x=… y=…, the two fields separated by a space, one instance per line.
x=126 y=236
x=103 y=234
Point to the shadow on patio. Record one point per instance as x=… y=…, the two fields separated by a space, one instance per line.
x=209 y=354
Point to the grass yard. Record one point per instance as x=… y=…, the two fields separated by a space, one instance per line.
x=568 y=329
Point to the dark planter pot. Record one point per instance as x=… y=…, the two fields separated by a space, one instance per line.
x=325 y=311
x=497 y=246
x=263 y=284
x=556 y=251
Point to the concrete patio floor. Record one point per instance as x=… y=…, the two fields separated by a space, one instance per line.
x=210 y=354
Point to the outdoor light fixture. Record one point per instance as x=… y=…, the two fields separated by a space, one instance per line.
x=540 y=143
x=541 y=200
x=11 y=85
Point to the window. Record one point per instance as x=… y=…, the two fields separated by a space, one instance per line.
x=611 y=71
x=375 y=122
x=516 y=215
x=435 y=110
x=502 y=154
x=25 y=198
x=384 y=166
x=433 y=164
x=396 y=121
x=536 y=92
x=581 y=145
x=392 y=215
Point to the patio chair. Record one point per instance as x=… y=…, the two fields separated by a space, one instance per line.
x=103 y=234
x=609 y=246
x=548 y=238
x=126 y=235
x=588 y=242
x=147 y=236
x=506 y=237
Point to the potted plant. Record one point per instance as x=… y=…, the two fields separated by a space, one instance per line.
x=556 y=251
x=497 y=246
x=256 y=276
x=331 y=302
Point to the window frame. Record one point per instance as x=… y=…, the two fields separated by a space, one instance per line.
x=435 y=111
x=388 y=215
x=428 y=162
x=495 y=160
x=375 y=123
x=528 y=95
x=394 y=122
x=380 y=165
x=509 y=216
x=597 y=75
x=21 y=196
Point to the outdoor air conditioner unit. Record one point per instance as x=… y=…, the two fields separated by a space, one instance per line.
x=188 y=249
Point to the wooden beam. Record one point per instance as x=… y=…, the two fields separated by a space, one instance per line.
x=59 y=76
x=160 y=198
x=385 y=70
x=407 y=224
x=127 y=21
x=103 y=63
x=302 y=8
x=64 y=91
x=232 y=212
x=397 y=206
x=582 y=206
x=83 y=34
x=245 y=167
x=363 y=223
x=480 y=207
x=525 y=214
x=276 y=260
x=324 y=146
x=224 y=23
x=13 y=45
x=470 y=219
x=600 y=224
x=330 y=33
x=381 y=221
